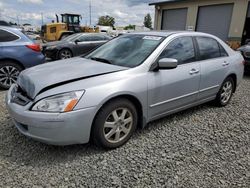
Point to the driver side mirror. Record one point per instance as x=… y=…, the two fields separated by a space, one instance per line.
x=167 y=63
x=77 y=41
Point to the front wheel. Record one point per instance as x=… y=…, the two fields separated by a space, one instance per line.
x=225 y=93
x=114 y=124
x=65 y=54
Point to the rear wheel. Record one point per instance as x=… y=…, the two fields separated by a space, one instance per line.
x=65 y=54
x=9 y=71
x=225 y=93
x=114 y=124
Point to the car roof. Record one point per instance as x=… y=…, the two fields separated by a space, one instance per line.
x=9 y=28
x=162 y=33
x=167 y=33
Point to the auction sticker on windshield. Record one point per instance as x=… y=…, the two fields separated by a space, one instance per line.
x=152 y=38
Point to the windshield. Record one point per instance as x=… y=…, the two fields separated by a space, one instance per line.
x=71 y=37
x=126 y=50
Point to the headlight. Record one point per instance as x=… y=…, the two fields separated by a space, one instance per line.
x=59 y=103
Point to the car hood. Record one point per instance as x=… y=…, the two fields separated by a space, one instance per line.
x=38 y=79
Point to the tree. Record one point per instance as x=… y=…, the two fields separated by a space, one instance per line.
x=106 y=21
x=148 y=21
x=129 y=27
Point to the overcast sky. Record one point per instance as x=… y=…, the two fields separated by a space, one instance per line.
x=29 y=11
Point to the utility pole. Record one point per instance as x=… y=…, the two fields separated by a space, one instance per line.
x=90 y=12
x=17 y=20
x=42 y=17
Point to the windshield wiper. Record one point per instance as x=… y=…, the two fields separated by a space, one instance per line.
x=101 y=60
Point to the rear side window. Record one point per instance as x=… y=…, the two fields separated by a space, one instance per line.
x=181 y=49
x=6 y=36
x=208 y=48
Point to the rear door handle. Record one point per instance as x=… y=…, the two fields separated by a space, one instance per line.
x=225 y=63
x=194 y=71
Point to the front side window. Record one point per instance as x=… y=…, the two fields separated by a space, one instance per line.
x=127 y=50
x=97 y=38
x=208 y=48
x=6 y=36
x=181 y=49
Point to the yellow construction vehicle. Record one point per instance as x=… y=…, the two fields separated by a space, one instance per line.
x=70 y=23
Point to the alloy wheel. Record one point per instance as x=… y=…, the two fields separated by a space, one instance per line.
x=8 y=75
x=118 y=125
x=226 y=92
x=65 y=54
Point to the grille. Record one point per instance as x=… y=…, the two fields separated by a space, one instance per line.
x=19 y=96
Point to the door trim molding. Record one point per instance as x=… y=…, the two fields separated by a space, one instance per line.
x=183 y=96
x=209 y=88
x=173 y=99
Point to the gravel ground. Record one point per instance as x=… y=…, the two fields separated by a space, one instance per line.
x=200 y=147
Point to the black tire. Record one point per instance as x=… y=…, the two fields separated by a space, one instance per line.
x=9 y=71
x=65 y=54
x=221 y=100
x=100 y=133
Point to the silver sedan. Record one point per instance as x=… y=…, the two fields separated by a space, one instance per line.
x=122 y=85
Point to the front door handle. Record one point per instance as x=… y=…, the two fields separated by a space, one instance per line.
x=194 y=71
x=225 y=63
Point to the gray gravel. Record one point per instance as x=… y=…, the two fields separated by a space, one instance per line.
x=201 y=147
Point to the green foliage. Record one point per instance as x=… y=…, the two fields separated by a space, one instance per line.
x=129 y=27
x=148 y=21
x=106 y=21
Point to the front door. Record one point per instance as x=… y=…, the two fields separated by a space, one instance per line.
x=169 y=90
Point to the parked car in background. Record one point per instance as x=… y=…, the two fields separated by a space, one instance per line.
x=17 y=52
x=74 y=45
x=33 y=35
x=122 y=85
x=245 y=50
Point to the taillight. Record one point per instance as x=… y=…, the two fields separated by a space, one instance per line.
x=243 y=62
x=34 y=47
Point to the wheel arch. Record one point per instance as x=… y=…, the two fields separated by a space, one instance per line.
x=12 y=60
x=137 y=103
x=234 y=77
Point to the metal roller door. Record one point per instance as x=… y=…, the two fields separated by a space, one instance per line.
x=174 y=19
x=215 y=19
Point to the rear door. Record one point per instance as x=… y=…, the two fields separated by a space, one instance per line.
x=214 y=63
x=172 y=89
